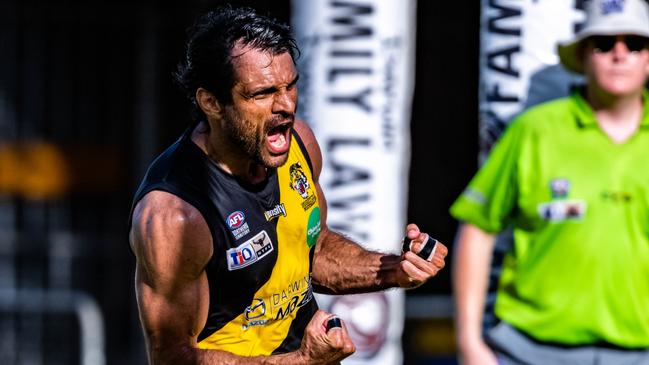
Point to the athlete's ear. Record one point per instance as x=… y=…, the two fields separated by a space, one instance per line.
x=208 y=103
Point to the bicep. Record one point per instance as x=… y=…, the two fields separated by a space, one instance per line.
x=171 y=317
x=172 y=247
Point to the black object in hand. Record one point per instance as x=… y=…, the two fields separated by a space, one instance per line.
x=333 y=322
x=425 y=252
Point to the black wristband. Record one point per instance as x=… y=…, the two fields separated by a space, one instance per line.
x=425 y=252
x=333 y=322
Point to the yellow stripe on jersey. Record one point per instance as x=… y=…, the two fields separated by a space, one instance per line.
x=266 y=322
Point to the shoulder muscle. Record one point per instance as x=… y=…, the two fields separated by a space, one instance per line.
x=311 y=145
x=170 y=238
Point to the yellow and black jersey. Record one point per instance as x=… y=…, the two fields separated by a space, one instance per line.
x=259 y=276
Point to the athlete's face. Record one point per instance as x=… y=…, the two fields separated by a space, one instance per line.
x=617 y=65
x=264 y=100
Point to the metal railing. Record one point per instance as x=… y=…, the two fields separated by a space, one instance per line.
x=91 y=323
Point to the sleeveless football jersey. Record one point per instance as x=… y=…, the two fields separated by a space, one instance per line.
x=264 y=235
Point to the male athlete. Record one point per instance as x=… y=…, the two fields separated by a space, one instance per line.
x=229 y=223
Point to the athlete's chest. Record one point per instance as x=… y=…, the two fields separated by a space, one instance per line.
x=256 y=227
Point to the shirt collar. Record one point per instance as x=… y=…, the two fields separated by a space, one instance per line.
x=586 y=116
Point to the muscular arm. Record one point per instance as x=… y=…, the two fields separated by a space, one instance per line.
x=172 y=244
x=341 y=266
x=473 y=253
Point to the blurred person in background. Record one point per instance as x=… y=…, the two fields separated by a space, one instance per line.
x=570 y=176
x=229 y=224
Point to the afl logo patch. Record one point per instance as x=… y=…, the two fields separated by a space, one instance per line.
x=235 y=219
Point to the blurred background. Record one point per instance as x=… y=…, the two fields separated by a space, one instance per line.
x=86 y=102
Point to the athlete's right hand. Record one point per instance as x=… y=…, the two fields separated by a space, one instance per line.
x=477 y=353
x=320 y=346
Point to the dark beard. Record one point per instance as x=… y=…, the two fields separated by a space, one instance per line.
x=243 y=135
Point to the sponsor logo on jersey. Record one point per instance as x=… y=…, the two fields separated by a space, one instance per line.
x=562 y=210
x=279 y=305
x=241 y=231
x=275 y=212
x=301 y=185
x=236 y=221
x=559 y=188
x=254 y=314
x=313 y=227
x=296 y=295
x=249 y=252
x=256 y=310
x=616 y=196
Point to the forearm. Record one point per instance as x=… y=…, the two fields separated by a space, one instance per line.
x=473 y=254
x=341 y=266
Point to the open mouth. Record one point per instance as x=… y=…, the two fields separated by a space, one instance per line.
x=279 y=137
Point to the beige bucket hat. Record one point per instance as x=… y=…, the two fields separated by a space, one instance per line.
x=606 y=17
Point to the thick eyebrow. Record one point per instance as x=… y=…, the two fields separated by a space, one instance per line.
x=292 y=83
x=272 y=89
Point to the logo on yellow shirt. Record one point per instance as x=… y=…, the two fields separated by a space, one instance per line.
x=301 y=185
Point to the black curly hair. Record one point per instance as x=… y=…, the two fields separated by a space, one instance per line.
x=208 y=55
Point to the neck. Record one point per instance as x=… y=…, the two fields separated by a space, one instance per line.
x=228 y=156
x=618 y=116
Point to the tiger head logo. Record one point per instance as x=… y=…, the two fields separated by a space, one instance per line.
x=299 y=181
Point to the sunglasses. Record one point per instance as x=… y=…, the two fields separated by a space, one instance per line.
x=604 y=43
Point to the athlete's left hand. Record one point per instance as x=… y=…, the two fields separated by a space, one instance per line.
x=414 y=270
